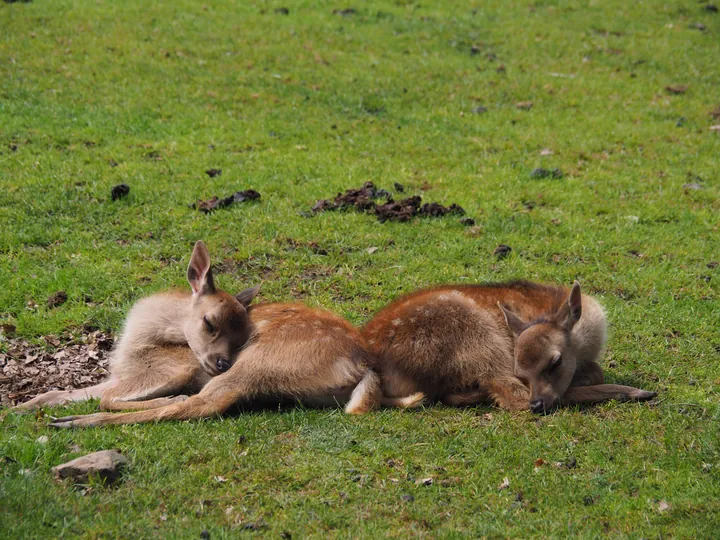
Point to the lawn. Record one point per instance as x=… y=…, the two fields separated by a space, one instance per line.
x=300 y=104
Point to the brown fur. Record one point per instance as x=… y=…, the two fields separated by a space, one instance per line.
x=294 y=353
x=477 y=343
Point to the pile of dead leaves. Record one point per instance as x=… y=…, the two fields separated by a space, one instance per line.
x=364 y=200
x=65 y=363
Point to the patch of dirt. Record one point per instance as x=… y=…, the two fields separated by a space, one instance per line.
x=119 y=191
x=57 y=299
x=214 y=203
x=347 y=12
x=66 y=363
x=540 y=173
x=364 y=200
x=502 y=251
x=676 y=88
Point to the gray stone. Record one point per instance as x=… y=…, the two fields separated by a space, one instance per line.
x=107 y=464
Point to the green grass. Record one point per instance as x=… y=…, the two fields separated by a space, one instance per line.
x=300 y=107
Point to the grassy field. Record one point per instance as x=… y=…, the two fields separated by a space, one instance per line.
x=300 y=106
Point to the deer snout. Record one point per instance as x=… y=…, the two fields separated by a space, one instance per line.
x=541 y=405
x=222 y=364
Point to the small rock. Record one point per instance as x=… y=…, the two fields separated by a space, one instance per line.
x=715 y=128
x=711 y=8
x=212 y=173
x=694 y=186
x=107 y=464
x=424 y=482
x=57 y=299
x=282 y=11
x=119 y=191
x=677 y=88
x=480 y=110
x=546 y=152
x=711 y=264
x=371 y=250
x=407 y=498
x=698 y=26
x=42 y=439
x=505 y=483
x=502 y=251
x=524 y=105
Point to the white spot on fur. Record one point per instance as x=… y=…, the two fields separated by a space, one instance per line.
x=443 y=297
x=397 y=322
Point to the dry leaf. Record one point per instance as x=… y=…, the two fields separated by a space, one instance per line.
x=505 y=483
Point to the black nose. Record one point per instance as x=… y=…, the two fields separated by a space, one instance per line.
x=537 y=406
x=222 y=364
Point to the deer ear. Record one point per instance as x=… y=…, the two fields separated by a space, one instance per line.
x=246 y=297
x=571 y=310
x=199 y=274
x=515 y=323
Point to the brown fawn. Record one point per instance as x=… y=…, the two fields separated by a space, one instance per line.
x=519 y=344
x=227 y=350
x=172 y=343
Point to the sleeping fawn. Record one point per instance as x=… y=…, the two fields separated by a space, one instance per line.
x=229 y=351
x=172 y=344
x=520 y=345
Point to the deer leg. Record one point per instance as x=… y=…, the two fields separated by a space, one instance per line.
x=464 y=398
x=509 y=394
x=63 y=397
x=604 y=392
x=145 y=393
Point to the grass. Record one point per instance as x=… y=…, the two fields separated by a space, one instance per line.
x=304 y=105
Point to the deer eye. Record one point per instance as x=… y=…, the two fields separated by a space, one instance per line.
x=208 y=325
x=555 y=362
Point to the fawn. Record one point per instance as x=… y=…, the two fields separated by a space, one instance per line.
x=230 y=352
x=172 y=343
x=518 y=344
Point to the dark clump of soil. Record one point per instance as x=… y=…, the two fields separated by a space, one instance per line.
x=212 y=173
x=546 y=173
x=119 y=191
x=66 y=363
x=215 y=202
x=57 y=299
x=502 y=251
x=401 y=211
x=438 y=210
x=365 y=200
